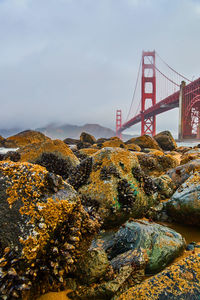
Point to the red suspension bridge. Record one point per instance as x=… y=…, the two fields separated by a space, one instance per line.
x=171 y=89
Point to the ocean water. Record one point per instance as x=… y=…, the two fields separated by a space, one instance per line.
x=188 y=144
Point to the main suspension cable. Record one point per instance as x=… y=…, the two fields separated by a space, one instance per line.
x=134 y=89
x=173 y=69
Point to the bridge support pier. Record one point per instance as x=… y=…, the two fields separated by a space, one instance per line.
x=148 y=125
x=181 y=117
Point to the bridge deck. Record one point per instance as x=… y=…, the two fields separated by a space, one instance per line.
x=166 y=104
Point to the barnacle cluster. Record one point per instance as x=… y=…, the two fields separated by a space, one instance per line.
x=144 y=181
x=81 y=173
x=127 y=193
x=107 y=172
x=54 y=163
x=54 y=230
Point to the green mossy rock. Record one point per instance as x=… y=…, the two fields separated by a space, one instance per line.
x=184 y=205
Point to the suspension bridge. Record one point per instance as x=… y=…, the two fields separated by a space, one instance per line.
x=159 y=91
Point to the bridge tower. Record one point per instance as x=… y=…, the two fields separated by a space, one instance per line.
x=118 y=122
x=148 y=91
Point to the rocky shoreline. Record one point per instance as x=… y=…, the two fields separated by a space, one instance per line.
x=85 y=216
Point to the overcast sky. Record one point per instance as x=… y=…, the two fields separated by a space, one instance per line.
x=76 y=61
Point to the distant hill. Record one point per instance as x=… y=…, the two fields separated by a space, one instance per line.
x=9 y=132
x=56 y=131
x=73 y=131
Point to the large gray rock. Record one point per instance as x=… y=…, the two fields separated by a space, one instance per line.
x=161 y=243
x=184 y=205
x=183 y=172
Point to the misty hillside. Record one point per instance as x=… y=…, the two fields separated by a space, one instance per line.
x=73 y=131
x=56 y=131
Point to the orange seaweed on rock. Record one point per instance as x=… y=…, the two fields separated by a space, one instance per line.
x=31 y=153
x=144 y=141
x=27 y=137
x=179 y=281
x=114 y=142
x=109 y=184
x=55 y=155
x=133 y=147
x=87 y=152
x=44 y=226
x=156 y=163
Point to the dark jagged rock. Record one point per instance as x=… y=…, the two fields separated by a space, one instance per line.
x=43 y=230
x=10 y=155
x=166 y=141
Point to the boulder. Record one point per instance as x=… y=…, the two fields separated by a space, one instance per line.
x=133 y=147
x=112 y=182
x=126 y=277
x=85 y=153
x=144 y=141
x=43 y=229
x=165 y=186
x=166 y=141
x=161 y=243
x=119 y=274
x=54 y=155
x=92 y=266
x=114 y=142
x=70 y=141
x=25 y=138
x=87 y=138
x=181 y=173
x=189 y=156
x=81 y=145
x=179 y=281
x=155 y=164
x=184 y=206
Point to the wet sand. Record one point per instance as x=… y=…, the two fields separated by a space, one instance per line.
x=190 y=233
x=55 y=296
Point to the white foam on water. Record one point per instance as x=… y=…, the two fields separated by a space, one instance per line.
x=5 y=150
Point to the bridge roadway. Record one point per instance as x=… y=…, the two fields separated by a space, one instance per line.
x=164 y=105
